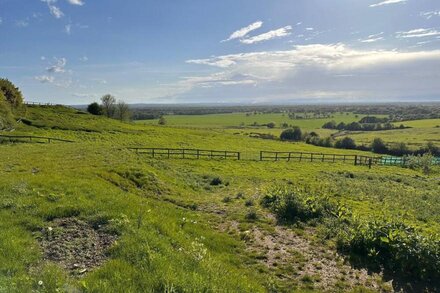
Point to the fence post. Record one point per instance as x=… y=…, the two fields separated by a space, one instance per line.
x=288 y=158
x=152 y=152
x=276 y=156
x=238 y=156
x=334 y=158
x=300 y=156
x=355 y=160
x=369 y=163
x=261 y=155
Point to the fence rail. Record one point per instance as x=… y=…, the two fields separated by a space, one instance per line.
x=188 y=153
x=31 y=138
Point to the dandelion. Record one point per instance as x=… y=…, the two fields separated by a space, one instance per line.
x=50 y=229
x=40 y=283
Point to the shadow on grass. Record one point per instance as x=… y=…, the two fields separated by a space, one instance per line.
x=400 y=281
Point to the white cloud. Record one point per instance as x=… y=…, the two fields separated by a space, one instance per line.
x=54 y=10
x=58 y=66
x=84 y=59
x=387 y=2
x=22 y=23
x=68 y=29
x=418 y=33
x=321 y=70
x=1 y=20
x=45 y=78
x=279 y=33
x=373 y=38
x=76 y=2
x=430 y=14
x=241 y=33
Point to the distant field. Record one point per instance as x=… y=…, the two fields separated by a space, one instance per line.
x=237 y=119
x=421 y=133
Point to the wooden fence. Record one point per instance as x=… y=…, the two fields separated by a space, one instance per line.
x=31 y=138
x=318 y=157
x=188 y=153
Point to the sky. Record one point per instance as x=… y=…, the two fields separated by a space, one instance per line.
x=229 y=51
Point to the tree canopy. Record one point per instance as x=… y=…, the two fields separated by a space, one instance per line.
x=11 y=93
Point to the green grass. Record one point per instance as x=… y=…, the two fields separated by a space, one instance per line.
x=166 y=211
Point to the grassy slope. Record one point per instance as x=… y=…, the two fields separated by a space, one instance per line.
x=157 y=247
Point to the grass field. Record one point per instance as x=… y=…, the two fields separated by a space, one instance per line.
x=421 y=132
x=173 y=228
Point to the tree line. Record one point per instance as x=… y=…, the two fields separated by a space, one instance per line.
x=110 y=108
x=377 y=146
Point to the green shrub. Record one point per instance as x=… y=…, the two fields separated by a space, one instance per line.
x=393 y=246
x=6 y=117
x=11 y=93
x=292 y=205
x=216 y=181
x=293 y=134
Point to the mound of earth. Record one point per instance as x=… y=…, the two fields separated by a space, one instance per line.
x=75 y=245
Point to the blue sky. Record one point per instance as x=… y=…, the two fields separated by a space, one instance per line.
x=260 y=51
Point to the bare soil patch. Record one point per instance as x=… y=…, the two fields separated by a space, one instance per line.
x=75 y=245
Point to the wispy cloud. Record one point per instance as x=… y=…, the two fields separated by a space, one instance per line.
x=68 y=29
x=1 y=20
x=76 y=2
x=58 y=66
x=337 y=71
x=387 y=2
x=22 y=23
x=54 y=10
x=373 y=38
x=430 y=14
x=45 y=78
x=278 y=33
x=241 y=33
x=418 y=33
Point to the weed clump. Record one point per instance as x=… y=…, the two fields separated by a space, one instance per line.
x=393 y=246
x=291 y=205
x=216 y=181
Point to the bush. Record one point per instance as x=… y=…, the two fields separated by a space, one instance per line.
x=346 y=143
x=6 y=117
x=425 y=162
x=271 y=125
x=291 y=205
x=378 y=146
x=95 y=109
x=216 y=181
x=292 y=134
x=393 y=246
x=11 y=93
x=162 y=121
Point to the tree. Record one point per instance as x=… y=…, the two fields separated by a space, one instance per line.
x=378 y=146
x=292 y=134
x=330 y=125
x=94 y=108
x=162 y=121
x=271 y=125
x=108 y=105
x=6 y=117
x=122 y=111
x=11 y=93
x=345 y=143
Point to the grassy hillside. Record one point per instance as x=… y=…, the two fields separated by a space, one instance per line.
x=167 y=225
